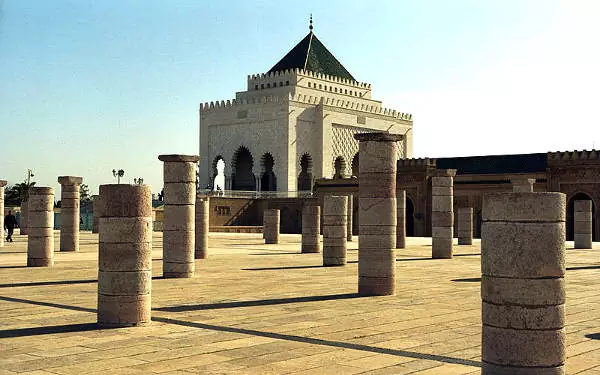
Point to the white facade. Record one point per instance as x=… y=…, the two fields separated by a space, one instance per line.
x=288 y=115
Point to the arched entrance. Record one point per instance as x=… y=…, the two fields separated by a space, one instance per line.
x=218 y=174
x=268 y=181
x=305 y=176
x=571 y=215
x=355 y=165
x=339 y=167
x=410 y=218
x=242 y=176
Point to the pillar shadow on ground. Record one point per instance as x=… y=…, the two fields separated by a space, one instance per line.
x=468 y=280
x=281 y=268
x=276 y=253
x=262 y=302
x=251 y=332
x=315 y=341
x=58 y=282
x=577 y=268
x=47 y=330
x=47 y=283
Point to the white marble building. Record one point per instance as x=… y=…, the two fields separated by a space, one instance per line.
x=294 y=124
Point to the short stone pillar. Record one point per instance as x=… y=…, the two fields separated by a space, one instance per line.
x=40 y=244
x=349 y=218
x=522 y=185
x=2 y=185
x=377 y=213
x=442 y=215
x=179 y=215
x=401 y=219
x=522 y=284
x=69 y=212
x=202 y=227
x=335 y=215
x=24 y=219
x=465 y=225
x=311 y=223
x=125 y=255
x=271 y=223
x=96 y=214
x=582 y=228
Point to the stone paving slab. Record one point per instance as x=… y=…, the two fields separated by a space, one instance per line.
x=267 y=309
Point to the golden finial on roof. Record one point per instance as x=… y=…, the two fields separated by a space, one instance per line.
x=310 y=26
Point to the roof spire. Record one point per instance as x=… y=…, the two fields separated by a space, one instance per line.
x=310 y=26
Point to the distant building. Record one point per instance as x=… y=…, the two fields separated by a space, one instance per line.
x=293 y=124
x=576 y=174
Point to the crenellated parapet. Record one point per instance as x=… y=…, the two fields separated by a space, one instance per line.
x=294 y=75
x=573 y=157
x=307 y=99
x=417 y=163
x=230 y=103
x=351 y=104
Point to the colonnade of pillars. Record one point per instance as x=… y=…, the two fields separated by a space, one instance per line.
x=523 y=247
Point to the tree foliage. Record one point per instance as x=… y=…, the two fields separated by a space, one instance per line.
x=18 y=193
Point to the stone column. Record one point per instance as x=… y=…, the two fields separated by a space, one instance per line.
x=465 y=225
x=377 y=213
x=69 y=212
x=179 y=215
x=125 y=255
x=335 y=215
x=442 y=215
x=349 y=218
x=582 y=226
x=24 y=217
x=522 y=284
x=271 y=222
x=311 y=222
x=40 y=244
x=2 y=185
x=96 y=208
x=202 y=226
x=522 y=185
x=401 y=219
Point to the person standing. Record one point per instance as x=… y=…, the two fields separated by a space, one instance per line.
x=9 y=223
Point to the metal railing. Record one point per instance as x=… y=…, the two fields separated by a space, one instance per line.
x=256 y=194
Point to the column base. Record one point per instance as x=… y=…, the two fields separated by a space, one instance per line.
x=39 y=262
x=376 y=286
x=465 y=241
x=441 y=248
x=121 y=325
x=492 y=369
x=310 y=249
x=123 y=311
x=177 y=275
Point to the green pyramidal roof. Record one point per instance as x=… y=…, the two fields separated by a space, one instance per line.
x=310 y=54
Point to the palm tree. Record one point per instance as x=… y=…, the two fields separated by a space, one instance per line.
x=18 y=193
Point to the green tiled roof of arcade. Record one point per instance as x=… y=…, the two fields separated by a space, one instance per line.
x=310 y=54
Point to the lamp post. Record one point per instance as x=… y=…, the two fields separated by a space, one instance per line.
x=118 y=174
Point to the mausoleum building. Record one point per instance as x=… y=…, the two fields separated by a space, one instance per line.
x=293 y=124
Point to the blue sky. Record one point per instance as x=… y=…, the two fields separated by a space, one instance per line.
x=86 y=87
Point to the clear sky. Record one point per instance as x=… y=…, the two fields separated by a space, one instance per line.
x=89 y=86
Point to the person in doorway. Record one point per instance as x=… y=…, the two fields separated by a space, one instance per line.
x=9 y=224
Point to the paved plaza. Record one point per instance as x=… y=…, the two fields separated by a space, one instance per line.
x=267 y=309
